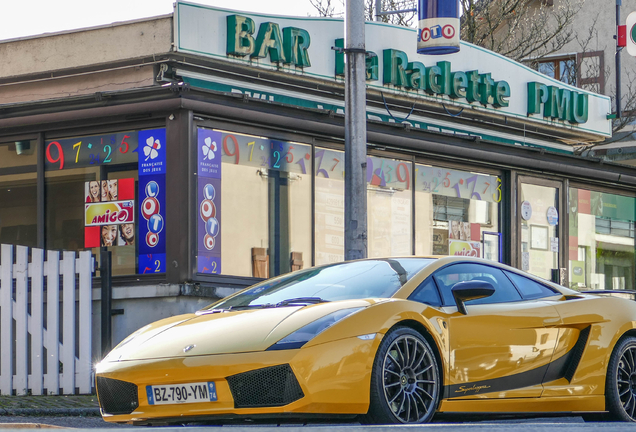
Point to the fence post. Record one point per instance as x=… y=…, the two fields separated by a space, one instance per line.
x=36 y=271
x=52 y=383
x=6 y=320
x=85 y=331
x=68 y=335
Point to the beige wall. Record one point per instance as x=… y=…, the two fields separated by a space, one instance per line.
x=133 y=77
x=61 y=53
x=86 y=47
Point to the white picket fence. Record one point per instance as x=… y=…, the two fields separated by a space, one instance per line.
x=22 y=284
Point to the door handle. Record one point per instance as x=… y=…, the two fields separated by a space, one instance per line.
x=551 y=321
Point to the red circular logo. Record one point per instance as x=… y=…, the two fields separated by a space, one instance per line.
x=208 y=241
x=448 y=31
x=149 y=207
x=426 y=34
x=152 y=239
x=207 y=210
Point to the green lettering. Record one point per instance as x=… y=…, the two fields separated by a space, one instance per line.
x=537 y=96
x=432 y=80
x=499 y=92
x=416 y=73
x=485 y=87
x=459 y=82
x=372 y=64
x=472 y=95
x=295 y=43
x=558 y=105
x=269 y=41
x=579 y=106
x=395 y=64
x=340 y=58
x=239 y=35
x=445 y=79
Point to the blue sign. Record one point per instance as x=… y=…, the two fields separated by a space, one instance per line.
x=152 y=151
x=152 y=215
x=438 y=27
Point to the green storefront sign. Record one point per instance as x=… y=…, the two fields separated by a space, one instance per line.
x=290 y=46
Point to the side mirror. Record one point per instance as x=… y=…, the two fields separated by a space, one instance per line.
x=470 y=290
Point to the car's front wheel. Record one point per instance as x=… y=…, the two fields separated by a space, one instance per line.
x=620 y=387
x=405 y=382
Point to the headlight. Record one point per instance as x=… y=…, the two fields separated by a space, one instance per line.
x=304 y=334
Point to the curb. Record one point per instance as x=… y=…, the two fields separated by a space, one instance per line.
x=42 y=412
x=28 y=426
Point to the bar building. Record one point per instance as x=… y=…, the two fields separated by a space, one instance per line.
x=205 y=150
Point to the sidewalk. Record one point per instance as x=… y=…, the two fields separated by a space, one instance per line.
x=49 y=406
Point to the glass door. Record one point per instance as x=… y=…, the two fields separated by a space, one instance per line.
x=540 y=235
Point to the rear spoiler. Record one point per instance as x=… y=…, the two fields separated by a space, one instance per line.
x=610 y=292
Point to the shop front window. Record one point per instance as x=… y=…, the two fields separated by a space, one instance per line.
x=18 y=193
x=254 y=202
x=457 y=213
x=92 y=202
x=329 y=225
x=601 y=233
x=389 y=207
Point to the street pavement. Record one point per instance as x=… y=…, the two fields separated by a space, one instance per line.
x=73 y=412
x=81 y=406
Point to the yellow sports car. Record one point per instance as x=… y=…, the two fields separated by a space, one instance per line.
x=391 y=340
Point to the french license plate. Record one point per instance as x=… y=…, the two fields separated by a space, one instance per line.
x=181 y=393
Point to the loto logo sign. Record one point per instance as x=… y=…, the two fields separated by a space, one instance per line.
x=109 y=213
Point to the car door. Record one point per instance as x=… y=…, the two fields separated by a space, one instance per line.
x=503 y=346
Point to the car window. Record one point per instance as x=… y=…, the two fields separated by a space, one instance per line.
x=449 y=276
x=426 y=293
x=530 y=289
x=370 y=278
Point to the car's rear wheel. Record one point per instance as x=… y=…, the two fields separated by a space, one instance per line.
x=405 y=382
x=620 y=387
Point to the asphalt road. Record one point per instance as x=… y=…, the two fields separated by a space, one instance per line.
x=547 y=424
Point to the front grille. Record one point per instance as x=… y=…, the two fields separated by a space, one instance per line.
x=267 y=387
x=116 y=397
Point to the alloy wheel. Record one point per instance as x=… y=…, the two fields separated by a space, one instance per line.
x=410 y=379
x=626 y=380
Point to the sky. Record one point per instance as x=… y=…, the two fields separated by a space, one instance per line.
x=33 y=17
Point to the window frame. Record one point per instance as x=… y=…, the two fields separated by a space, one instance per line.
x=524 y=297
x=454 y=304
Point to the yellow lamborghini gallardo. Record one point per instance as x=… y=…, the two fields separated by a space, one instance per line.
x=392 y=340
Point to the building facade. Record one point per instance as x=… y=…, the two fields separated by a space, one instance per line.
x=205 y=149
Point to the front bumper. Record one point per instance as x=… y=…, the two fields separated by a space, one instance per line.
x=334 y=378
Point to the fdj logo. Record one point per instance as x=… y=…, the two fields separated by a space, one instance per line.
x=436 y=32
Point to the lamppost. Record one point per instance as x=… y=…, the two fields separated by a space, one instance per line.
x=355 y=132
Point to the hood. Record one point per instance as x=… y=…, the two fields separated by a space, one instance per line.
x=222 y=332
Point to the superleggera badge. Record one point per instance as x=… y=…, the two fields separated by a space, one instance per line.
x=475 y=389
x=188 y=348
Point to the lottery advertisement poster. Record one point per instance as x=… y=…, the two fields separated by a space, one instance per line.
x=109 y=213
x=209 y=202
x=152 y=198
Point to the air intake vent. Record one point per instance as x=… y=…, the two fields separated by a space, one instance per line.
x=267 y=387
x=577 y=353
x=116 y=397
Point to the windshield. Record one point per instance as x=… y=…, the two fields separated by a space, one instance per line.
x=343 y=281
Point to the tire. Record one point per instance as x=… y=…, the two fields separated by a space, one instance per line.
x=405 y=381
x=620 y=384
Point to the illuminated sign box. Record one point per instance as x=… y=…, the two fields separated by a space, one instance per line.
x=109 y=213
